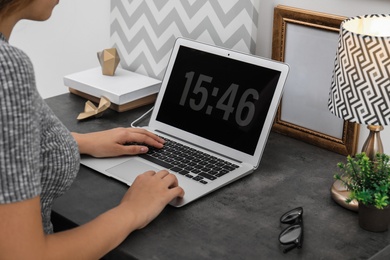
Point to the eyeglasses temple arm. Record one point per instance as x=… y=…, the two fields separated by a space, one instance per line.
x=290 y=248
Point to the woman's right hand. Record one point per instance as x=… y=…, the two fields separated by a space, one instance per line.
x=21 y=223
x=148 y=195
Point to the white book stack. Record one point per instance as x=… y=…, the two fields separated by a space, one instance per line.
x=126 y=90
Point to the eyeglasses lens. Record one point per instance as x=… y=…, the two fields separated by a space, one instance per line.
x=290 y=234
x=291 y=216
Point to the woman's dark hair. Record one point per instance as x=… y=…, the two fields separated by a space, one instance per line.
x=8 y=6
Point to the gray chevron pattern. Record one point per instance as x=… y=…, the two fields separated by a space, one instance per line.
x=144 y=31
x=360 y=90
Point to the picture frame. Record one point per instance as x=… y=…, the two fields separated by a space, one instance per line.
x=307 y=41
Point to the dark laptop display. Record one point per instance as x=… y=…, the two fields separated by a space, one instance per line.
x=218 y=98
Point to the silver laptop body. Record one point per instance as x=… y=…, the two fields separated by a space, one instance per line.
x=215 y=100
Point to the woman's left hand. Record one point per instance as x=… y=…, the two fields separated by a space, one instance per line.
x=117 y=141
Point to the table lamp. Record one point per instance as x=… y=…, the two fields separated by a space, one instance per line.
x=360 y=90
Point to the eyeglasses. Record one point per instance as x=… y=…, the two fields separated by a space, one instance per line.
x=292 y=235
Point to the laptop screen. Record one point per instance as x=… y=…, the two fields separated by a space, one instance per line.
x=218 y=98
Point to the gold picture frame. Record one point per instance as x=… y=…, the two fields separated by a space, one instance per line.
x=308 y=34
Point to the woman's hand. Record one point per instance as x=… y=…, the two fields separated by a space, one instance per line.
x=148 y=195
x=21 y=223
x=115 y=142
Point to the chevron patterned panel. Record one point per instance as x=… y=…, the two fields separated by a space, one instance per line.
x=360 y=89
x=144 y=31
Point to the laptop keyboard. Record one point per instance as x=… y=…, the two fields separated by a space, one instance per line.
x=189 y=162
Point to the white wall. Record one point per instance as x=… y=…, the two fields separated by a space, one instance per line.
x=68 y=42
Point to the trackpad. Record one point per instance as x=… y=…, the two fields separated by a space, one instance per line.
x=130 y=169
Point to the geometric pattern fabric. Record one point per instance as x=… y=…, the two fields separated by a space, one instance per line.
x=144 y=31
x=360 y=90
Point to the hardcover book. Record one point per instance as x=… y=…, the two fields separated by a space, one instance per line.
x=126 y=89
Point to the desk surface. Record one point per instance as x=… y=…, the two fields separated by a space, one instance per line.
x=239 y=221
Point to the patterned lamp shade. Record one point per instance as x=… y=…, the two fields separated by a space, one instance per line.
x=360 y=90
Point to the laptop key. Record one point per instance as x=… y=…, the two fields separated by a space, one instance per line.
x=156 y=161
x=207 y=176
x=183 y=172
x=176 y=169
x=197 y=178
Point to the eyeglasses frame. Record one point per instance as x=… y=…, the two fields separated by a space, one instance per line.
x=295 y=222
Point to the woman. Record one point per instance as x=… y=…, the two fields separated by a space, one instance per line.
x=39 y=159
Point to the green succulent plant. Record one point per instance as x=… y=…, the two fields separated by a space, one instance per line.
x=367 y=180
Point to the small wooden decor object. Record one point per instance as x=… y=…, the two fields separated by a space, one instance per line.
x=91 y=110
x=109 y=60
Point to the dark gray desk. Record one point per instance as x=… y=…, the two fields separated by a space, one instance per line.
x=240 y=221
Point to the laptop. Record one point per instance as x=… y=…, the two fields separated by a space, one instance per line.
x=212 y=102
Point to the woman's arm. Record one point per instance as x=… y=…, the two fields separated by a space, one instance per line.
x=21 y=235
x=114 y=142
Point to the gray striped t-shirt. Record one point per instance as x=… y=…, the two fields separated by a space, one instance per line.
x=38 y=155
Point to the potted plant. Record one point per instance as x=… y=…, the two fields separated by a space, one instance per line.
x=369 y=183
